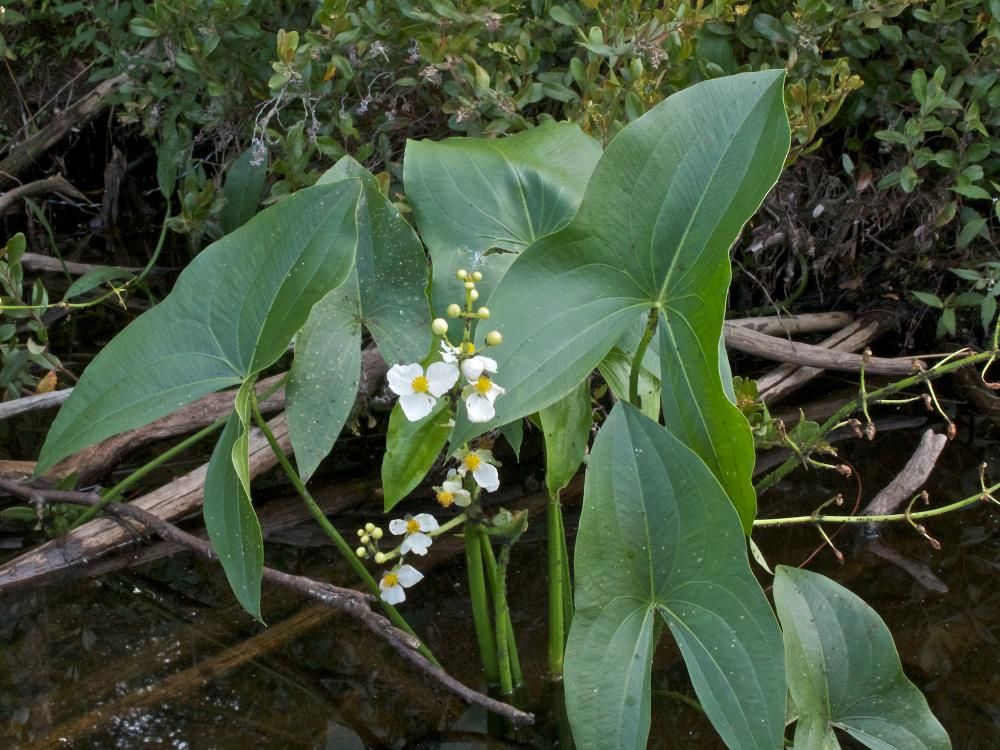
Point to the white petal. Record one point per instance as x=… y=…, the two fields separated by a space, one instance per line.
x=408 y=575
x=416 y=543
x=480 y=408
x=489 y=364
x=441 y=376
x=397 y=526
x=393 y=594
x=449 y=354
x=427 y=521
x=472 y=368
x=450 y=484
x=416 y=406
x=462 y=498
x=486 y=476
x=401 y=377
x=493 y=392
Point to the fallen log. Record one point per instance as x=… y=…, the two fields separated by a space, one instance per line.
x=788 y=378
x=55 y=184
x=788 y=325
x=781 y=350
x=47 y=264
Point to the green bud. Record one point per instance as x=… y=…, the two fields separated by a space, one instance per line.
x=361 y=552
x=369 y=527
x=439 y=326
x=454 y=310
x=474 y=295
x=361 y=532
x=365 y=539
x=493 y=338
x=470 y=285
x=380 y=557
x=483 y=312
x=461 y=274
x=377 y=533
x=476 y=276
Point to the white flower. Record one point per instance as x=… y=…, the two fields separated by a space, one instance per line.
x=449 y=353
x=393 y=583
x=452 y=491
x=481 y=392
x=416 y=541
x=419 y=392
x=480 y=463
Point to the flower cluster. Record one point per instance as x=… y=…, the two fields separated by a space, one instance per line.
x=419 y=389
x=417 y=536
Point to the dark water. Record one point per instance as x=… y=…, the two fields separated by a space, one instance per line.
x=159 y=656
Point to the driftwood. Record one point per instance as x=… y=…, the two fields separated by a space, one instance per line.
x=899 y=491
x=33 y=403
x=55 y=184
x=788 y=325
x=47 y=264
x=788 y=378
x=75 y=116
x=782 y=350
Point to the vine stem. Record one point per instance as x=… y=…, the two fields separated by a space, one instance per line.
x=342 y=546
x=875 y=396
x=983 y=495
x=640 y=353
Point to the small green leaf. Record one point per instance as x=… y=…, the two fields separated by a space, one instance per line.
x=93 y=279
x=411 y=449
x=231 y=522
x=241 y=446
x=566 y=426
x=513 y=433
x=843 y=670
x=929 y=299
x=243 y=190
x=988 y=311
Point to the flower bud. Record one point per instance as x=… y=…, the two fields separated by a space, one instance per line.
x=474 y=295
x=477 y=276
x=439 y=326
x=483 y=312
x=369 y=527
x=361 y=532
x=377 y=533
x=361 y=552
x=493 y=338
x=470 y=285
x=380 y=558
x=461 y=274
x=453 y=310
x=365 y=539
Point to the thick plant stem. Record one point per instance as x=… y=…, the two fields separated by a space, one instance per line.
x=871 y=398
x=116 y=492
x=640 y=353
x=342 y=546
x=493 y=578
x=480 y=604
x=567 y=580
x=501 y=616
x=557 y=569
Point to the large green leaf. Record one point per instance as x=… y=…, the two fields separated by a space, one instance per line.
x=566 y=427
x=843 y=670
x=323 y=382
x=411 y=449
x=232 y=313
x=664 y=204
x=385 y=294
x=473 y=195
x=658 y=537
x=231 y=522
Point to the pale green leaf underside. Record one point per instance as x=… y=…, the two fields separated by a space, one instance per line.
x=472 y=195
x=663 y=205
x=411 y=449
x=232 y=312
x=843 y=670
x=657 y=534
x=232 y=525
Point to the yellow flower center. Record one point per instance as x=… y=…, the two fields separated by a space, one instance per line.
x=419 y=384
x=445 y=498
x=412 y=526
x=390 y=580
x=483 y=385
x=472 y=461
x=468 y=347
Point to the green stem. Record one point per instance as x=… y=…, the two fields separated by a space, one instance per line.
x=115 y=492
x=480 y=606
x=498 y=584
x=875 y=396
x=816 y=518
x=640 y=353
x=342 y=546
x=501 y=616
x=557 y=565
